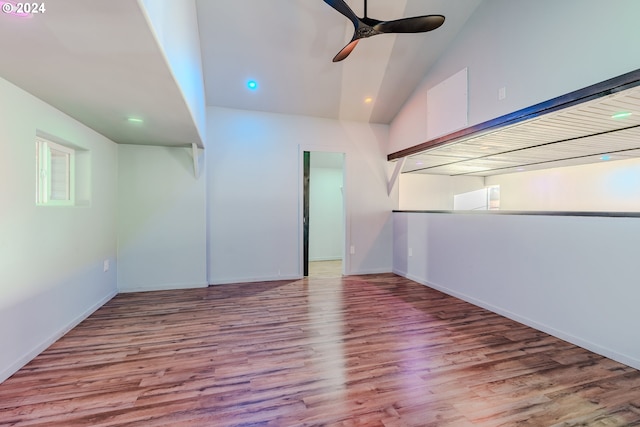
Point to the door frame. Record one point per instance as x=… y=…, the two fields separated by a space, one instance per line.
x=345 y=204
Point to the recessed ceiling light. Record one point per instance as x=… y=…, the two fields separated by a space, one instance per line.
x=252 y=84
x=621 y=115
x=368 y=100
x=605 y=157
x=419 y=163
x=134 y=120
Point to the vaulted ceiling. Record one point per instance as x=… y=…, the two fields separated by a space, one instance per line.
x=99 y=62
x=288 y=47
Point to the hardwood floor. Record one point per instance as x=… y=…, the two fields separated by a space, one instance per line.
x=374 y=350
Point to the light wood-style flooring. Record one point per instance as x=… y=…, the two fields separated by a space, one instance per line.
x=374 y=350
x=325 y=269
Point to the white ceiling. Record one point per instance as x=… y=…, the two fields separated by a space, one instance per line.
x=288 y=47
x=99 y=62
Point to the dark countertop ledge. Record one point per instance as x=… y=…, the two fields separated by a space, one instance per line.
x=538 y=213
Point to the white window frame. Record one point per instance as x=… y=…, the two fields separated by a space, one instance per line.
x=45 y=170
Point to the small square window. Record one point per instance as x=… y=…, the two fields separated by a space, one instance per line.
x=55 y=165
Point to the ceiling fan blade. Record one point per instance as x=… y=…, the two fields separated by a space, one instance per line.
x=344 y=9
x=346 y=50
x=367 y=27
x=416 y=24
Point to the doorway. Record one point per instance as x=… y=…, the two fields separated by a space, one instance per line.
x=323 y=214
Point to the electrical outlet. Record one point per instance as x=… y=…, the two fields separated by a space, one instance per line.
x=352 y=250
x=105 y=265
x=410 y=251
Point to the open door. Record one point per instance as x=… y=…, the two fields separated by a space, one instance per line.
x=323 y=214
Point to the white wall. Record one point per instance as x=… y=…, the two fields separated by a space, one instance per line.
x=51 y=258
x=175 y=26
x=606 y=186
x=326 y=229
x=573 y=277
x=538 y=50
x=254 y=189
x=161 y=219
x=433 y=192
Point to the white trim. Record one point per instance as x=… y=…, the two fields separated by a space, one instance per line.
x=237 y=280
x=26 y=358
x=44 y=172
x=588 y=345
x=335 y=258
x=161 y=287
x=369 y=271
x=346 y=262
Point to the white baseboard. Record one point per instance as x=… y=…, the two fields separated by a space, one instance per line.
x=252 y=279
x=580 y=342
x=371 y=271
x=162 y=287
x=325 y=259
x=276 y=278
x=403 y=274
x=27 y=357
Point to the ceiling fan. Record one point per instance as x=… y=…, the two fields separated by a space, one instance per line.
x=367 y=27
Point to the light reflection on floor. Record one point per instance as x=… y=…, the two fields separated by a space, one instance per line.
x=325 y=314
